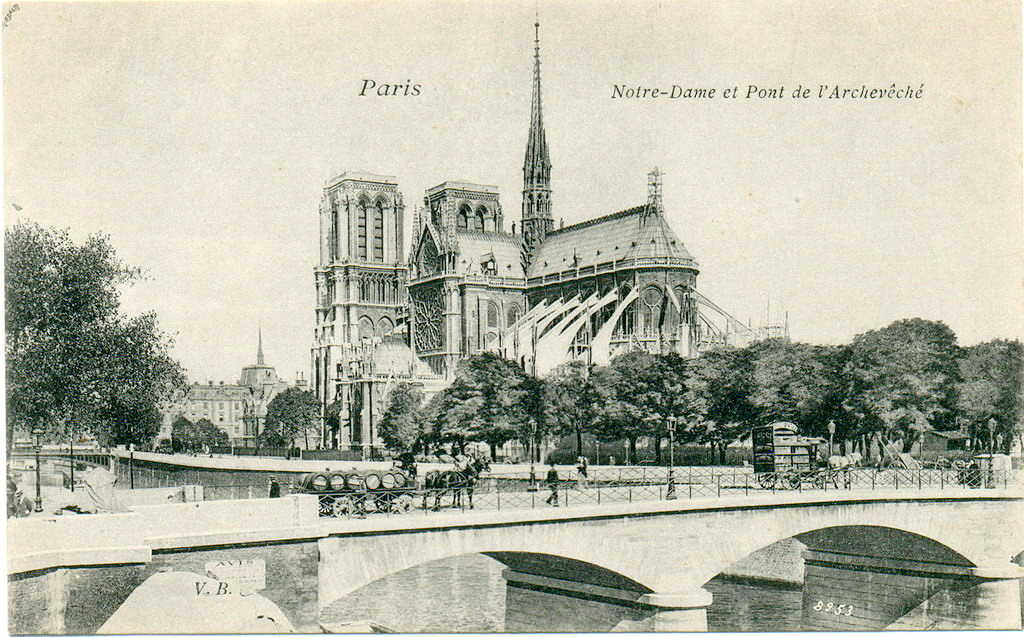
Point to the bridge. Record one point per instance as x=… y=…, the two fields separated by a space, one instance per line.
x=925 y=558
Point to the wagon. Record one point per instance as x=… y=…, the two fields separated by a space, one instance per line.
x=783 y=459
x=343 y=493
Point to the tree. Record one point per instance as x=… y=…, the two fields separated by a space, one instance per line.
x=492 y=400
x=798 y=383
x=719 y=386
x=209 y=434
x=638 y=392
x=75 y=364
x=193 y=437
x=902 y=381
x=571 y=401
x=136 y=426
x=401 y=425
x=291 y=413
x=990 y=392
x=332 y=423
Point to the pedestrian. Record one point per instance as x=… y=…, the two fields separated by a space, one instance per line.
x=581 y=472
x=275 y=488
x=552 y=482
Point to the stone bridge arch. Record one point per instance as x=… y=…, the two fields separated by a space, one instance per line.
x=659 y=559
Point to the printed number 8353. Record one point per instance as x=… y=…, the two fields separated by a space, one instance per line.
x=831 y=607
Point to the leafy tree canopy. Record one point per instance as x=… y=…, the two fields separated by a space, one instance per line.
x=902 y=380
x=492 y=400
x=75 y=363
x=990 y=396
x=292 y=413
x=402 y=424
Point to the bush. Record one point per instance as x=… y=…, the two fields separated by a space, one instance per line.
x=695 y=455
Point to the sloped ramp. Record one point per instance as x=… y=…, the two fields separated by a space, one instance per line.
x=189 y=604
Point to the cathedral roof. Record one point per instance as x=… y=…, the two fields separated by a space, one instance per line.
x=477 y=247
x=628 y=234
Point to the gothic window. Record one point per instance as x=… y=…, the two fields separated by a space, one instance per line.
x=683 y=297
x=481 y=216
x=332 y=232
x=428 y=313
x=386 y=328
x=429 y=263
x=651 y=301
x=361 y=213
x=463 y=218
x=492 y=314
x=365 y=327
x=378 y=232
x=513 y=315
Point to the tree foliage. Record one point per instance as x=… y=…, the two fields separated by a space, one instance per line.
x=719 y=387
x=291 y=414
x=194 y=437
x=990 y=400
x=571 y=401
x=401 y=426
x=902 y=380
x=75 y=363
x=492 y=400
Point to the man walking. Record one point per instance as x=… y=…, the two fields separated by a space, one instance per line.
x=581 y=473
x=552 y=482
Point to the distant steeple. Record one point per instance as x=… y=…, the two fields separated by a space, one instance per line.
x=259 y=347
x=537 y=221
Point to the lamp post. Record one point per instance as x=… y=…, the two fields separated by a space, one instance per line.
x=37 y=433
x=831 y=432
x=131 y=466
x=533 y=448
x=670 y=492
x=71 y=453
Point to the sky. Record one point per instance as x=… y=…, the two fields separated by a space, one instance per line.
x=198 y=136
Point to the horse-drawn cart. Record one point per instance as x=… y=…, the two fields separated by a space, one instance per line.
x=356 y=492
x=342 y=493
x=783 y=459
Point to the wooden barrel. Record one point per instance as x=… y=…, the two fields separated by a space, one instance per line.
x=400 y=480
x=372 y=480
x=337 y=482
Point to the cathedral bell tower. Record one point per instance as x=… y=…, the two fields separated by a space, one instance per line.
x=537 y=220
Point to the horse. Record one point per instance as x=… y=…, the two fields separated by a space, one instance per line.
x=457 y=481
x=837 y=464
x=845 y=462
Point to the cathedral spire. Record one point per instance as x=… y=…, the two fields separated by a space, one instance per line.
x=537 y=220
x=537 y=164
x=259 y=347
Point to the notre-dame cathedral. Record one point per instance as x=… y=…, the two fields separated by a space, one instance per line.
x=536 y=294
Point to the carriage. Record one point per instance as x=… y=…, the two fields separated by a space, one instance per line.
x=342 y=493
x=783 y=459
x=357 y=492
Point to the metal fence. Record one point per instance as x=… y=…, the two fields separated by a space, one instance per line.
x=686 y=484
x=628 y=484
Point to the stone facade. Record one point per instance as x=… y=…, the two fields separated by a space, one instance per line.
x=239 y=409
x=541 y=296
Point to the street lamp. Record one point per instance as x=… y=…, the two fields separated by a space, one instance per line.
x=71 y=452
x=131 y=466
x=831 y=432
x=670 y=493
x=533 y=448
x=38 y=433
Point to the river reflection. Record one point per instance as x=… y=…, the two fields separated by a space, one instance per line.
x=467 y=594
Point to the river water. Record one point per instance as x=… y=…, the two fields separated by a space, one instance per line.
x=467 y=594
